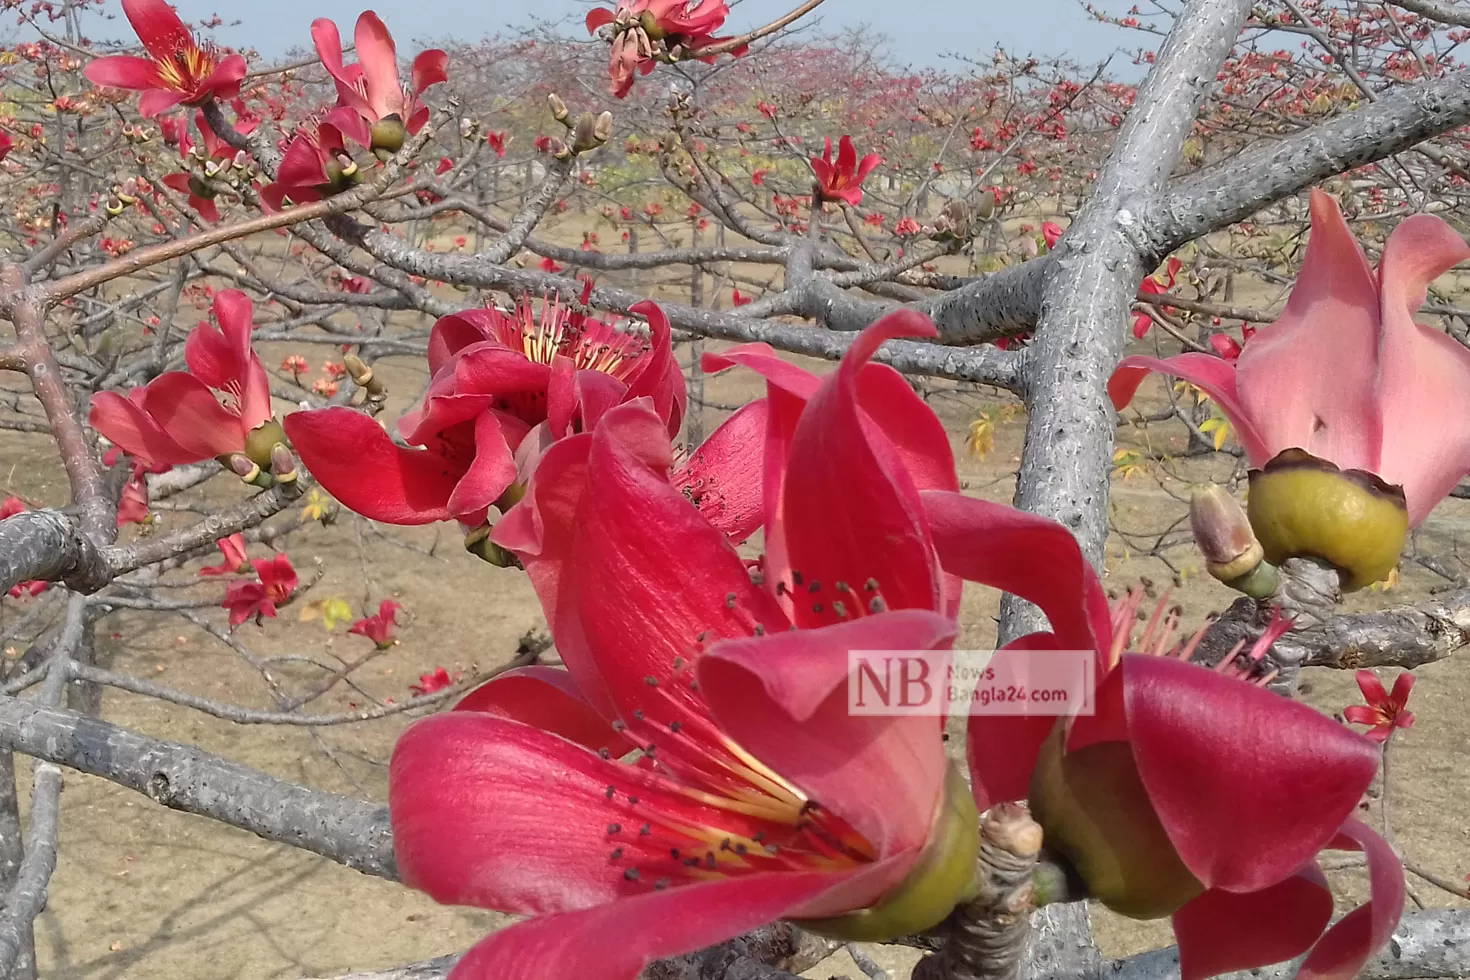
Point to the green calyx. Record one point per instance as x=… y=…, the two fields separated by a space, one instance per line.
x=942 y=877
x=1304 y=507
x=1096 y=814
x=262 y=440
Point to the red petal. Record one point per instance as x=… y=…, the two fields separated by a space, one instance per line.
x=658 y=375
x=328 y=41
x=546 y=698
x=123 y=71
x=598 y=17
x=846 y=157
x=1002 y=749
x=1341 y=953
x=124 y=422
x=1215 y=376
x=1403 y=686
x=158 y=26
x=357 y=463
x=1248 y=785
x=1033 y=557
x=649 y=575
x=723 y=476
x=785 y=699
x=152 y=102
x=616 y=941
x=1221 y=931
x=1423 y=373
x=378 y=57
x=185 y=408
x=496 y=814
x=849 y=511
x=1372 y=688
x=493 y=470
x=431 y=67
x=224 y=81
x=1308 y=380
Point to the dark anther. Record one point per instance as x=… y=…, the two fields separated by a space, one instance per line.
x=638 y=714
x=817 y=607
x=674 y=726
x=740 y=848
x=661 y=884
x=814 y=588
x=645 y=830
x=678 y=663
x=614 y=828
x=604 y=753
x=633 y=800
x=709 y=860
x=780 y=588
x=795 y=577
x=871 y=585
x=651 y=681
x=617 y=853
x=674 y=853
x=611 y=791
x=843 y=586
x=725 y=844
x=877 y=605
x=839 y=609
x=631 y=874
x=618 y=726
x=729 y=600
x=760 y=629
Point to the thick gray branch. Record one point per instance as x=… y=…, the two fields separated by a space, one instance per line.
x=1447 y=13
x=182 y=777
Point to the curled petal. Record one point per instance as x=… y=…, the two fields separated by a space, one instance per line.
x=722 y=477
x=1213 y=375
x=548 y=699
x=1224 y=931
x=357 y=463
x=1341 y=953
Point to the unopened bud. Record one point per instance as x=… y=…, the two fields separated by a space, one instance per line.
x=559 y=110
x=241 y=160
x=467 y=128
x=603 y=129
x=201 y=188
x=115 y=207
x=1224 y=536
x=558 y=149
x=283 y=464
x=245 y=468
x=362 y=375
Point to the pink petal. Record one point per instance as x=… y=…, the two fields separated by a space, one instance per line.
x=493 y=470
x=1424 y=375
x=598 y=17
x=1342 y=952
x=328 y=42
x=185 y=408
x=1221 y=931
x=1248 y=785
x=1403 y=686
x=224 y=81
x=157 y=100
x=846 y=157
x=785 y=699
x=123 y=71
x=849 y=511
x=658 y=375
x=722 y=477
x=1034 y=557
x=497 y=814
x=866 y=166
x=357 y=463
x=125 y=423
x=652 y=579
x=546 y=698
x=1308 y=380
x=378 y=57
x=1372 y=688
x=1215 y=376
x=616 y=941
x=429 y=68
x=158 y=26
x=1002 y=749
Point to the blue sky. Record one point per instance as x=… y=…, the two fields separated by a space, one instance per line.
x=921 y=30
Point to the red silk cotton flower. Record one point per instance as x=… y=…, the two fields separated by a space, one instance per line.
x=842 y=180
x=376 y=109
x=645 y=30
x=1188 y=792
x=495 y=377
x=220 y=406
x=177 y=68
x=277 y=581
x=1384 y=712
x=697 y=757
x=379 y=627
x=1345 y=373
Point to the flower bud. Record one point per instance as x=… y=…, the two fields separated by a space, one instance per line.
x=559 y=110
x=1224 y=536
x=467 y=127
x=245 y=468
x=603 y=128
x=283 y=464
x=201 y=188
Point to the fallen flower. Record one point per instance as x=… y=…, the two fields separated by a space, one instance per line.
x=379 y=627
x=1384 y=712
x=277 y=582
